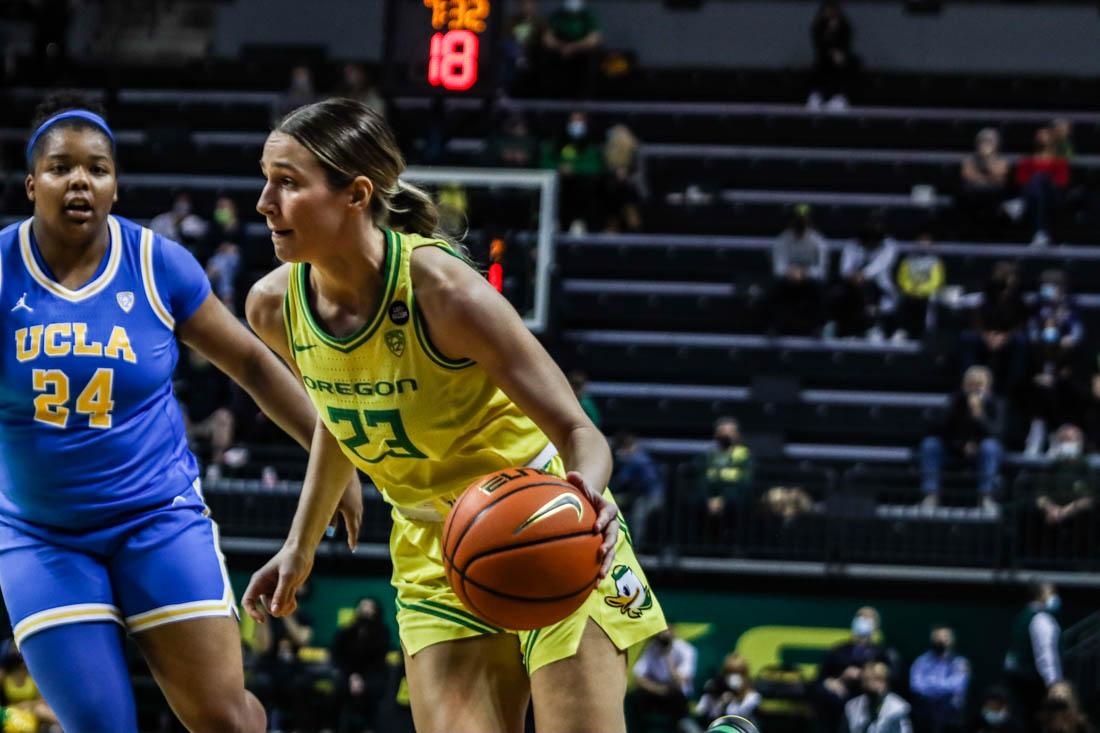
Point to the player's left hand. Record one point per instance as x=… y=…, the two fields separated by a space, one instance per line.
x=607 y=521
x=273 y=587
x=351 y=509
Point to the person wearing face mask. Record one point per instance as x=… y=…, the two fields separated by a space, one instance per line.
x=665 y=673
x=1068 y=488
x=1043 y=179
x=840 y=672
x=800 y=264
x=938 y=681
x=877 y=710
x=1055 y=334
x=726 y=480
x=730 y=692
x=570 y=46
x=1033 y=663
x=180 y=223
x=579 y=163
x=995 y=715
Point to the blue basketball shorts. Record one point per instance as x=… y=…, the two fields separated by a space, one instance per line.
x=155 y=568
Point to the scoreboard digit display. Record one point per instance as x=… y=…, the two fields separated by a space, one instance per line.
x=442 y=46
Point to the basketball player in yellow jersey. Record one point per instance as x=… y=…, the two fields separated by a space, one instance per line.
x=425 y=378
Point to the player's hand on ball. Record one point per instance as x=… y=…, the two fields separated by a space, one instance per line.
x=273 y=587
x=607 y=522
x=351 y=509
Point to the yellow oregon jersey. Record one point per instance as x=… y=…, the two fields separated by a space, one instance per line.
x=422 y=426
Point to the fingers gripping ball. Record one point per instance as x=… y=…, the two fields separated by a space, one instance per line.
x=732 y=724
x=520 y=548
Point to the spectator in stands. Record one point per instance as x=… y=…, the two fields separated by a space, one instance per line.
x=665 y=673
x=300 y=91
x=622 y=193
x=984 y=180
x=877 y=710
x=1068 y=488
x=1055 y=387
x=579 y=162
x=866 y=295
x=522 y=40
x=1043 y=179
x=995 y=715
x=571 y=45
x=836 y=68
x=1061 y=712
x=800 y=263
x=998 y=338
x=578 y=380
x=180 y=223
x=730 y=692
x=639 y=488
x=225 y=225
x=938 y=681
x=1033 y=663
x=726 y=480
x=920 y=277
x=222 y=269
x=513 y=146
x=358 y=85
x=359 y=653
x=841 y=671
x=1062 y=131
x=971 y=432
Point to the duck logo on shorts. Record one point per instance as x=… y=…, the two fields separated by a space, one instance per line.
x=395 y=341
x=633 y=598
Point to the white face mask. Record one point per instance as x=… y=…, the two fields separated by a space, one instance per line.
x=735 y=682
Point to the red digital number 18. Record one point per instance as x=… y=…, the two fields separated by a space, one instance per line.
x=453 y=60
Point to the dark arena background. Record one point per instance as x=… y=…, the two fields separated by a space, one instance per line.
x=827 y=275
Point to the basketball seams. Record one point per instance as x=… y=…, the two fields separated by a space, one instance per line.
x=448 y=557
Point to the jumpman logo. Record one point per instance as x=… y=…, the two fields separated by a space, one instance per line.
x=22 y=303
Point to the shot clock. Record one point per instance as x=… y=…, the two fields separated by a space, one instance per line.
x=442 y=46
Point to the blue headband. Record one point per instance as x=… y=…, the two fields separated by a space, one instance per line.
x=80 y=114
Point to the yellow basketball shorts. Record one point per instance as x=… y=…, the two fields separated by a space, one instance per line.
x=429 y=612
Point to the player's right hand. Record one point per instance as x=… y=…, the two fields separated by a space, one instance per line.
x=274 y=587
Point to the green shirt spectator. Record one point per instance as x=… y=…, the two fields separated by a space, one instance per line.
x=578 y=380
x=572 y=23
x=727 y=470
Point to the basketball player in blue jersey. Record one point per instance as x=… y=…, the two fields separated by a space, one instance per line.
x=103 y=529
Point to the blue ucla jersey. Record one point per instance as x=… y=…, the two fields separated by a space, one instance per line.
x=90 y=431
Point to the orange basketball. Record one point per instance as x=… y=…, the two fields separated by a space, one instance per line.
x=520 y=548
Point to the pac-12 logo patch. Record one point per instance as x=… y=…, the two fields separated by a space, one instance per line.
x=399 y=312
x=632 y=598
x=125 y=300
x=395 y=341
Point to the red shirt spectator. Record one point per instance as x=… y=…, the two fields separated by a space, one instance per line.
x=1045 y=160
x=1056 y=168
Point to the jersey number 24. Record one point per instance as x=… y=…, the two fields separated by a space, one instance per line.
x=52 y=406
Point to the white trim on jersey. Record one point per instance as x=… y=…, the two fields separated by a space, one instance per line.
x=149 y=282
x=114 y=257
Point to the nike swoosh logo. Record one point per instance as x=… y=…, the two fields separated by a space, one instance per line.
x=298 y=347
x=559 y=503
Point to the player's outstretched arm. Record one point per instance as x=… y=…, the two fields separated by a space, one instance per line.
x=467 y=318
x=274 y=586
